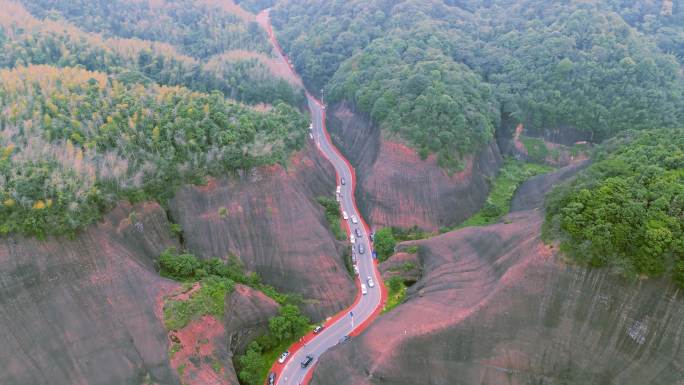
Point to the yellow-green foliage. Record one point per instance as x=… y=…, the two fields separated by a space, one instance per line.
x=82 y=140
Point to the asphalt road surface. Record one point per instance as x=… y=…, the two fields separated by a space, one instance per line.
x=292 y=373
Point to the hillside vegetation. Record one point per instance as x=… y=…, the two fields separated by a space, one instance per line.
x=626 y=210
x=238 y=74
x=443 y=74
x=75 y=141
x=198 y=28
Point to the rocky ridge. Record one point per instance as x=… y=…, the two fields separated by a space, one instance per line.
x=495 y=305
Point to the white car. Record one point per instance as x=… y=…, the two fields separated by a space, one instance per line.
x=354 y=219
x=344 y=215
x=352 y=239
x=364 y=291
x=283 y=357
x=370 y=282
x=356 y=269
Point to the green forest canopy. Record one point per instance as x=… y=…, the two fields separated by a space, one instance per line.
x=626 y=210
x=198 y=29
x=241 y=75
x=464 y=65
x=75 y=141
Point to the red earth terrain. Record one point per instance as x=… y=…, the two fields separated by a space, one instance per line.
x=87 y=310
x=495 y=305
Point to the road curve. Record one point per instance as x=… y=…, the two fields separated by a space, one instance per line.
x=365 y=307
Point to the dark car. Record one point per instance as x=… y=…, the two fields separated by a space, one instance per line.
x=361 y=249
x=344 y=339
x=271 y=378
x=343 y=181
x=358 y=232
x=307 y=361
x=318 y=329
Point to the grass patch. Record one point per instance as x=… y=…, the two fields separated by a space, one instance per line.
x=411 y=249
x=536 y=148
x=216 y=366
x=498 y=204
x=175 y=348
x=332 y=216
x=396 y=292
x=208 y=300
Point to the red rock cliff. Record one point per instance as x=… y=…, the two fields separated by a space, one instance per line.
x=86 y=310
x=397 y=188
x=273 y=224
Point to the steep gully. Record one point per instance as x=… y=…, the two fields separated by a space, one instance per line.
x=365 y=307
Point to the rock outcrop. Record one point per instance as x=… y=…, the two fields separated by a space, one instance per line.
x=202 y=351
x=495 y=306
x=269 y=219
x=247 y=315
x=87 y=310
x=397 y=188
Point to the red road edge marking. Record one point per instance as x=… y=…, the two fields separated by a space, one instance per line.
x=276 y=367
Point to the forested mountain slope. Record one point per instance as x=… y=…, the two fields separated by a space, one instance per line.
x=626 y=211
x=75 y=141
x=443 y=74
x=238 y=73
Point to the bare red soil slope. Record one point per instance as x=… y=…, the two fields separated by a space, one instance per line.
x=497 y=306
x=397 y=187
x=273 y=224
x=86 y=310
x=202 y=352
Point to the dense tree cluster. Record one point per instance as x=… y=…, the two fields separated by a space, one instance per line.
x=443 y=73
x=241 y=75
x=199 y=29
x=75 y=141
x=626 y=210
x=662 y=19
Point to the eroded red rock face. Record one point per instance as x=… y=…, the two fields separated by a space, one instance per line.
x=497 y=306
x=86 y=310
x=247 y=315
x=201 y=358
x=273 y=224
x=397 y=188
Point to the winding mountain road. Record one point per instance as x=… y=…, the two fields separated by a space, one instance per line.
x=352 y=320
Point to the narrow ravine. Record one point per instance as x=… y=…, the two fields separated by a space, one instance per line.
x=367 y=306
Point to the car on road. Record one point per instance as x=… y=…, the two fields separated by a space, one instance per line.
x=343 y=181
x=355 y=220
x=356 y=269
x=364 y=290
x=283 y=357
x=352 y=239
x=345 y=215
x=361 y=248
x=307 y=361
x=344 y=339
x=358 y=232
x=318 y=329
x=339 y=189
x=370 y=282
x=271 y=378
